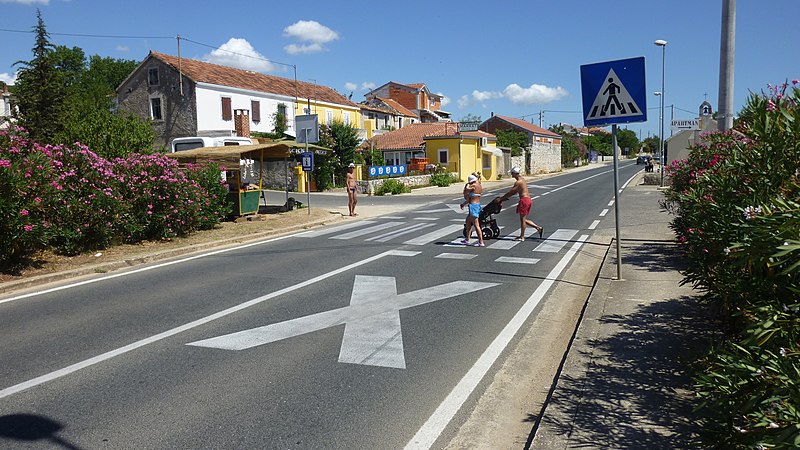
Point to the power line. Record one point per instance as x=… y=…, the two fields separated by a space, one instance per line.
x=105 y=36
x=216 y=47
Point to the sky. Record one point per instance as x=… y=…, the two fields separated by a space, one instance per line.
x=512 y=58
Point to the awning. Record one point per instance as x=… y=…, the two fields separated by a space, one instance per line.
x=233 y=154
x=493 y=150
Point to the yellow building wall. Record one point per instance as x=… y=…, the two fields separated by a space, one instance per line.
x=464 y=156
x=339 y=111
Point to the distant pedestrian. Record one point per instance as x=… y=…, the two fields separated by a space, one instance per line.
x=473 y=192
x=352 y=187
x=520 y=188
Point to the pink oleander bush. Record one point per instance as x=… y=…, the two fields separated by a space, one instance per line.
x=736 y=202
x=71 y=200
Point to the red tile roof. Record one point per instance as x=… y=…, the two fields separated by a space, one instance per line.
x=413 y=136
x=528 y=126
x=203 y=72
x=398 y=107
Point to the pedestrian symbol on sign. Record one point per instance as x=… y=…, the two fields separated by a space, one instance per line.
x=613 y=100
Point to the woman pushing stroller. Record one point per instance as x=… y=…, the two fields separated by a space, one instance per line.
x=472 y=198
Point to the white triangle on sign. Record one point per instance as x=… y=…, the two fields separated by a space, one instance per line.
x=613 y=100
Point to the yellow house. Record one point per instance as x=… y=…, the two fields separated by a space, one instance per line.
x=334 y=108
x=443 y=144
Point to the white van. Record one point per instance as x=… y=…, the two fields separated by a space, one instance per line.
x=188 y=143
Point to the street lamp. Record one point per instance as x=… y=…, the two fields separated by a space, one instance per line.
x=663 y=44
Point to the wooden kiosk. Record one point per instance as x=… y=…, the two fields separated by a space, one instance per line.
x=245 y=198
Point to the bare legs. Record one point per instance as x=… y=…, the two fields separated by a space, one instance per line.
x=523 y=221
x=351 y=202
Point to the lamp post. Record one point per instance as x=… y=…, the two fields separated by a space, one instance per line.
x=663 y=44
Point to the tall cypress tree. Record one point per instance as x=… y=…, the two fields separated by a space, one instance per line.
x=39 y=91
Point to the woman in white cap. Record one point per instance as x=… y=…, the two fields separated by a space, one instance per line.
x=473 y=192
x=352 y=187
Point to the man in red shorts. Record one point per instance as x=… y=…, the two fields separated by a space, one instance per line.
x=520 y=187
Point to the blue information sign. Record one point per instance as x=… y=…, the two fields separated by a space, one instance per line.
x=379 y=171
x=307 y=161
x=614 y=92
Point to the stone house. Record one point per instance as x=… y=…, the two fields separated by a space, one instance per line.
x=544 y=146
x=185 y=97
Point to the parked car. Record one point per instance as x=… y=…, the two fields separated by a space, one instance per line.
x=189 y=143
x=643 y=159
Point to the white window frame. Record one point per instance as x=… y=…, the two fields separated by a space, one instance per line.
x=443 y=152
x=487 y=161
x=160 y=107
x=346 y=118
x=328 y=117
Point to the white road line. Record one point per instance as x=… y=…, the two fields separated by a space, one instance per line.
x=508 y=242
x=604 y=212
x=424 y=218
x=455 y=256
x=611 y=203
x=513 y=260
x=328 y=230
x=436 y=423
x=160 y=336
x=397 y=233
x=556 y=241
x=392 y=217
x=368 y=230
x=434 y=235
x=594 y=224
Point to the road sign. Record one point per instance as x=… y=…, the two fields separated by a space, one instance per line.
x=307 y=128
x=379 y=171
x=372 y=333
x=680 y=125
x=614 y=92
x=307 y=160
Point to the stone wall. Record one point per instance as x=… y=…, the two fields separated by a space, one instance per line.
x=545 y=158
x=370 y=186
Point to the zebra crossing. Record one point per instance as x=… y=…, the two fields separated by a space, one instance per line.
x=420 y=233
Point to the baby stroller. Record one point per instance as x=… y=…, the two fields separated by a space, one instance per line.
x=487 y=223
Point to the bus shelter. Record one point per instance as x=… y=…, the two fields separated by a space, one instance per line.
x=236 y=159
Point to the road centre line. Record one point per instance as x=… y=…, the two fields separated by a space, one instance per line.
x=163 y=335
x=604 y=212
x=594 y=224
x=436 y=423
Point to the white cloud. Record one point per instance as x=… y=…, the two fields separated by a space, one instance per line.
x=311 y=35
x=515 y=93
x=536 y=93
x=294 y=49
x=7 y=78
x=240 y=54
x=123 y=48
x=365 y=86
x=445 y=100
x=26 y=2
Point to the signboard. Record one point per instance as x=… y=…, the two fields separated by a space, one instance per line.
x=307 y=125
x=382 y=171
x=681 y=125
x=468 y=126
x=614 y=92
x=307 y=161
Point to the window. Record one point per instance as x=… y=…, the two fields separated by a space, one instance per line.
x=227 y=109
x=329 y=117
x=282 y=109
x=346 y=118
x=152 y=76
x=255 y=108
x=487 y=162
x=155 y=109
x=443 y=156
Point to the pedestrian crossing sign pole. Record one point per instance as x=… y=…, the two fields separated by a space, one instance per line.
x=614 y=92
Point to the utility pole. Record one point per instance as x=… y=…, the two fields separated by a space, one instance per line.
x=727 y=51
x=541 y=115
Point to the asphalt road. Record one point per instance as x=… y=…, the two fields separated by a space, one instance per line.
x=369 y=336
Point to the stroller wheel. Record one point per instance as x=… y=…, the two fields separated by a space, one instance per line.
x=488 y=233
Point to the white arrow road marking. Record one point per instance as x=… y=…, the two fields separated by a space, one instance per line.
x=372 y=333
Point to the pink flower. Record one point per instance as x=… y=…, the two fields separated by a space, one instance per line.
x=24 y=212
x=795 y=81
x=5 y=163
x=28 y=228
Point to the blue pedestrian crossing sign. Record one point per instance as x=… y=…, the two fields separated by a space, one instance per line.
x=614 y=92
x=307 y=161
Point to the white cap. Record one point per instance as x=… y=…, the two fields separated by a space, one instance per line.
x=515 y=169
x=352 y=165
x=472 y=179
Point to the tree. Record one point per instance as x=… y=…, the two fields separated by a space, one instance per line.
x=516 y=140
x=470 y=118
x=40 y=91
x=627 y=139
x=279 y=122
x=651 y=144
x=109 y=135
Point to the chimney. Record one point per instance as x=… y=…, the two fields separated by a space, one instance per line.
x=241 y=122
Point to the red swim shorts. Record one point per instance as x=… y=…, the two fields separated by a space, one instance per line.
x=524 y=206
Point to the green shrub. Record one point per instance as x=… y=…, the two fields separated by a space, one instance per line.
x=392 y=186
x=442 y=179
x=737 y=205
